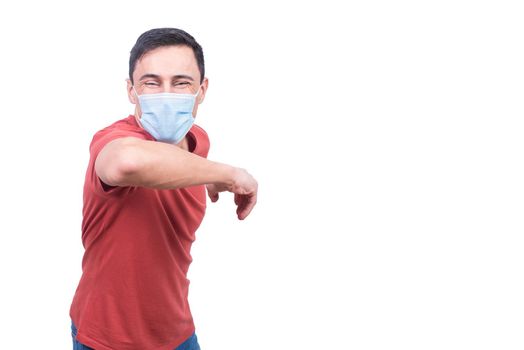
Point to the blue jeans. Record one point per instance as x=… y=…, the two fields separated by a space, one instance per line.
x=190 y=343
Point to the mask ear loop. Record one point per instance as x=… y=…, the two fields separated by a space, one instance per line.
x=138 y=98
x=136 y=94
x=197 y=93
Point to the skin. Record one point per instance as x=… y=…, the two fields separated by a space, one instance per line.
x=131 y=161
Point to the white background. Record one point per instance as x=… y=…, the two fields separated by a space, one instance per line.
x=387 y=138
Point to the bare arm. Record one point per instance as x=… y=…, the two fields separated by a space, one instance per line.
x=131 y=161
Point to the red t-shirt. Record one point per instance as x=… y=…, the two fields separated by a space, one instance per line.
x=133 y=291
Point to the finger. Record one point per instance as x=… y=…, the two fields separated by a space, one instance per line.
x=247 y=203
x=213 y=196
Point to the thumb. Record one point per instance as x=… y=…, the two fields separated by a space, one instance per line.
x=213 y=196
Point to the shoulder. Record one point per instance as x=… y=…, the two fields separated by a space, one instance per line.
x=201 y=140
x=123 y=128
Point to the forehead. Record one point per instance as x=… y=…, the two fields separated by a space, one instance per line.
x=168 y=61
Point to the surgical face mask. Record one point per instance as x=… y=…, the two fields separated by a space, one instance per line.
x=167 y=116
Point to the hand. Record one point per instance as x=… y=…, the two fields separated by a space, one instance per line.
x=245 y=189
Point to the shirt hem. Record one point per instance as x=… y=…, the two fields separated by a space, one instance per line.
x=87 y=341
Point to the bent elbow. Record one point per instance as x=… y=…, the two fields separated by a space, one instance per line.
x=123 y=171
x=117 y=163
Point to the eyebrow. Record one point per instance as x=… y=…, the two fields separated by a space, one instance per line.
x=156 y=76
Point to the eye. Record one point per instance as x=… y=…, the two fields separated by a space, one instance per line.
x=182 y=83
x=151 y=83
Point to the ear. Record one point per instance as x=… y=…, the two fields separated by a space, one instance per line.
x=203 y=89
x=131 y=95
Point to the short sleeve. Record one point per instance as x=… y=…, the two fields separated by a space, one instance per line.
x=100 y=140
x=201 y=140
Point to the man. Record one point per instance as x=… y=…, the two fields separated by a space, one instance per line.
x=144 y=198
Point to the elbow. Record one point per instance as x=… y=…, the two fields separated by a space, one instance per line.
x=123 y=172
x=117 y=164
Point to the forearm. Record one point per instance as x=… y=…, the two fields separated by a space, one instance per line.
x=135 y=162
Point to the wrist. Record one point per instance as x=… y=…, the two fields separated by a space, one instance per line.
x=225 y=176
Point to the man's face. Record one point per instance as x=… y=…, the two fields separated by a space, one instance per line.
x=167 y=69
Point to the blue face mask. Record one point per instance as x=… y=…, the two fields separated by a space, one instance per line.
x=167 y=116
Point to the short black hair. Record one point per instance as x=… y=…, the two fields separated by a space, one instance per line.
x=159 y=37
